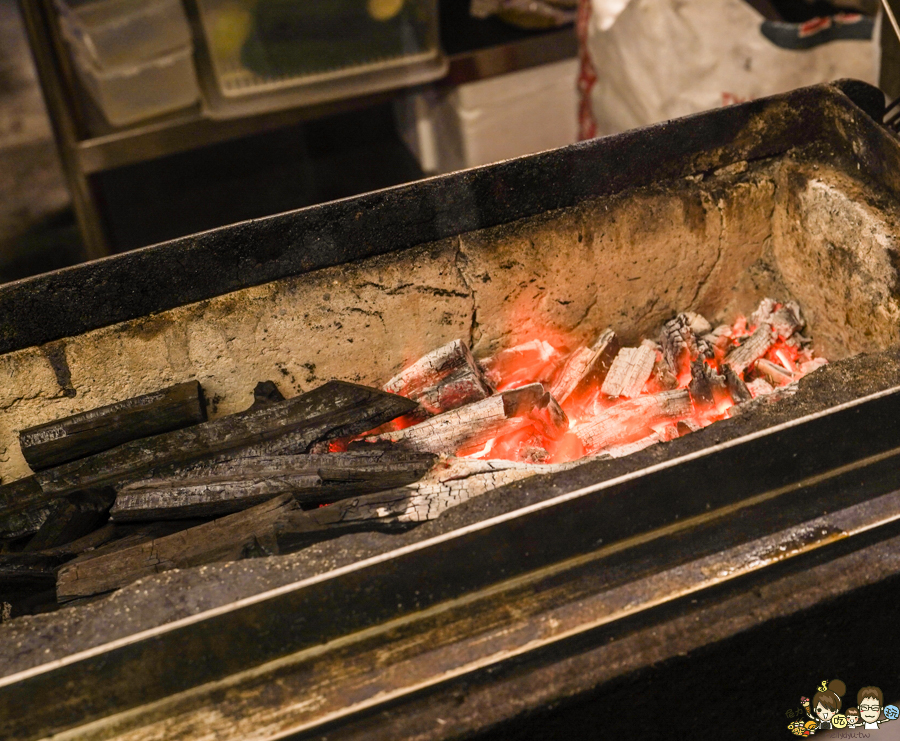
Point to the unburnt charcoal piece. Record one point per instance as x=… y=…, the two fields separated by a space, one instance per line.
x=81 y=513
x=332 y=410
x=29 y=571
x=24 y=507
x=212 y=490
x=225 y=539
x=103 y=428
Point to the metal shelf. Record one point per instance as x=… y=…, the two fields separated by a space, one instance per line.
x=88 y=146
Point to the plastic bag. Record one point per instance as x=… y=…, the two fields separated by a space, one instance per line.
x=644 y=61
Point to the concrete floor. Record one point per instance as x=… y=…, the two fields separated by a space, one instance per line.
x=37 y=226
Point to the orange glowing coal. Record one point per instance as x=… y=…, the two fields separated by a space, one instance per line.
x=603 y=399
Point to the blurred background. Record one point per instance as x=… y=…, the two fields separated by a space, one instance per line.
x=124 y=123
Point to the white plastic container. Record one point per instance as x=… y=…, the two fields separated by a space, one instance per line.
x=116 y=33
x=491 y=120
x=132 y=93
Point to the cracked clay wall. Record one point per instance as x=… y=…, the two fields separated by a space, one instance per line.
x=631 y=261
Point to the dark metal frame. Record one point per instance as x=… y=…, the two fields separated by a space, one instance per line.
x=385 y=643
x=599 y=555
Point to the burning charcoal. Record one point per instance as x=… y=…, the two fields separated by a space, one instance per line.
x=629 y=372
x=667 y=431
x=697 y=323
x=753 y=348
x=620 y=451
x=442 y=380
x=719 y=339
x=784 y=319
x=265 y=394
x=213 y=490
x=586 y=367
x=759 y=387
x=630 y=420
x=774 y=373
x=763 y=313
x=473 y=425
x=532 y=362
x=662 y=377
x=704 y=382
x=106 y=427
x=538 y=405
x=809 y=366
x=736 y=386
x=680 y=345
x=333 y=410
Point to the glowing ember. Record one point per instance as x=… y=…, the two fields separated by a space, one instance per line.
x=618 y=400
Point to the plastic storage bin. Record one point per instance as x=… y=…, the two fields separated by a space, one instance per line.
x=491 y=120
x=113 y=33
x=268 y=54
x=129 y=94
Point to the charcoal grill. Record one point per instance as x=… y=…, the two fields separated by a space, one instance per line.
x=577 y=585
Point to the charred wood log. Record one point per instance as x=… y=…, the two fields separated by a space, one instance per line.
x=24 y=508
x=631 y=420
x=681 y=344
x=629 y=371
x=332 y=410
x=586 y=367
x=225 y=539
x=473 y=425
x=784 y=319
x=775 y=374
x=450 y=484
x=736 y=386
x=230 y=486
x=80 y=514
x=705 y=383
x=100 y=429
x=443 y=380
x=753 y=348
x=28 y=571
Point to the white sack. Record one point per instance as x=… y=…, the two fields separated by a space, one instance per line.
x=659 y=59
